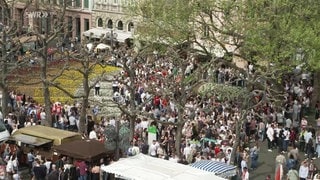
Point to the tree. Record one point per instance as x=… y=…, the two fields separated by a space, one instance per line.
x=283 y=33
x=10 y=51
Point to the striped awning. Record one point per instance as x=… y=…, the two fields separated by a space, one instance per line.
x=218 y=168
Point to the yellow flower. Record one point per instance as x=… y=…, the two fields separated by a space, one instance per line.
x=70 y=80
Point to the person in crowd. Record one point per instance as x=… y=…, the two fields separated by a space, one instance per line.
x=54 y=173
x=82 y=168
x=254 y=157
x=97 y=89
x=30 y=159
x=304 y=170
x=316 y=176
x=270 y=137
x=293 y=174
x=95 y=172
x=312 y=169
x=245 y=174
x=39 y=170
x=61 y=162
x=153 y=149
x=280 y=161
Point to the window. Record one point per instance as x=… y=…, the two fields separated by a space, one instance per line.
x=69 y=2
x=110 y=24
x=78 y=27
x=120 y=25
x=86 y=3
x=130 y=26
x=86 y=24
x=70 y=26
x=100 y=22
x=77 y=3
x=115 y=1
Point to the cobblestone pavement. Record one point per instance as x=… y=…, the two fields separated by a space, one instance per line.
x=266 y=163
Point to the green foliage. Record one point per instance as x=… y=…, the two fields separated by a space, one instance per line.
x=223 y=91
x=162 y=20
x=275 y=30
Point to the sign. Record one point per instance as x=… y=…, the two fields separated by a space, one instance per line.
x=38 y=14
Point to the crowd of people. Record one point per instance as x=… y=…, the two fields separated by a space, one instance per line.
x=42 y=168
x=284 y=126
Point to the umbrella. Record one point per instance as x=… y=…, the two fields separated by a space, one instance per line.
x=89 y=46
x=218 y=168
x=103 y=46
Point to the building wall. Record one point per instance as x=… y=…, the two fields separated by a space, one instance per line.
x=111 y=11
x=79 y=11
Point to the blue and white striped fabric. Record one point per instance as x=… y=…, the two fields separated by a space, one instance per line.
x=218 y=168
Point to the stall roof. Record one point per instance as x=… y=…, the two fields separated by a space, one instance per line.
x=143 y=167
x=58 y=136
x=88 y=150
x=32 y=140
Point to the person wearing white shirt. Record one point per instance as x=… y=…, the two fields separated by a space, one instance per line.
x=187 y=152
x=153 y=149
x=288 y=123
x=244 y=165
x=286 y=140
x=93 y=134
x=270 y=136
x=245 y=174
x=42 y=116
x=308 y=136
x=72 y=123
x=303 y=170
x=112 y=121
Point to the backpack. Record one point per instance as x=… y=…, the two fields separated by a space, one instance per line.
x=291 y=163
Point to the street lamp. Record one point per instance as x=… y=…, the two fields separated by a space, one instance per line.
x=112 y=36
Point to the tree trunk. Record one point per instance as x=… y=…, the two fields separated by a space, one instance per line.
x=236 y=143
x=85 y=104
x=4 y=72
x=45 y=85
x=316 y=86
x=47 y=102
x=4 y=101
x=178 y=139
x=132 y=127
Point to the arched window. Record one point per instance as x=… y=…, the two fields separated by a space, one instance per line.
x=100 y=22
x=110 y=24
x=130 y=26
x=120 y=25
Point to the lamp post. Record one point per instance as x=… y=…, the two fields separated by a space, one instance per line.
x=112 y=36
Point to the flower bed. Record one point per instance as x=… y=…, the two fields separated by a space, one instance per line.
x=71 y=80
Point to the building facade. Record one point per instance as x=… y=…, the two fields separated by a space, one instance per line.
x=110 y=16
x=44 y=14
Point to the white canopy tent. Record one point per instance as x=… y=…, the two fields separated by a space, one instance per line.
x=99 y=32
x=103 y=46
x=100 y=46
x=143 y=167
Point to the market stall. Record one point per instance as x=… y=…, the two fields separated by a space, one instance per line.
x=88 y=150
x=220 y=169
x=144 y=167
x=40 y=135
